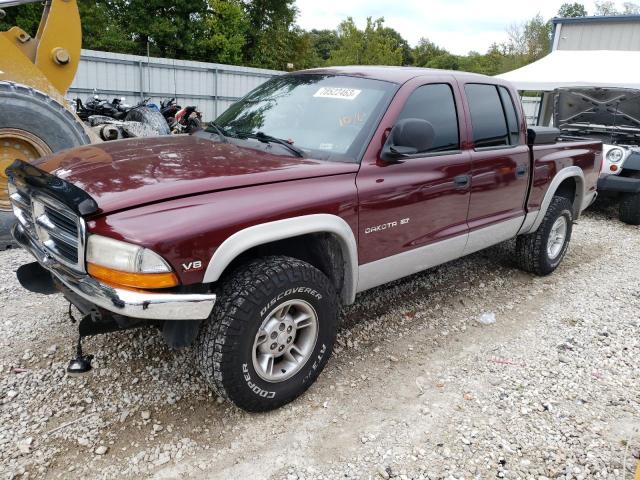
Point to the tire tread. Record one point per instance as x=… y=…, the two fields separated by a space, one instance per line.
x=222 y=332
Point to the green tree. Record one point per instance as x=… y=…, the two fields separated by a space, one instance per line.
x=491 y=63
x=271 y=37
x=445 y=61
x=171 y=29
x=26 y=17
x=323 y=43
x=631 y=8
x=527 y=42
x=568 y=10
x=371 y=46
x=398 y=41
x=101 y=30
x=426 y=51
x=606 y=8
x=224 y=32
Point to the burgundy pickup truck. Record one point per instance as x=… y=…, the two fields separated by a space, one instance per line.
x=244 y=239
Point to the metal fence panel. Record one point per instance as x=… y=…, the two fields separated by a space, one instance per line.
x=531 y=106
x=210 y=86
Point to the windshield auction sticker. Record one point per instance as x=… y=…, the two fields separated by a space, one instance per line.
x=338 y=92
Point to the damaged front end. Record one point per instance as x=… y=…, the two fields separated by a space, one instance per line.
x=51 y=226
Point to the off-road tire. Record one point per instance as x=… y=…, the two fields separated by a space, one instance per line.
x=531 y=249
x=630 y=208
x=225 y=342
x=23 y=108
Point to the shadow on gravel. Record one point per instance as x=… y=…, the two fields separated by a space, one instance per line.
x=445 y=280
x=604 y=209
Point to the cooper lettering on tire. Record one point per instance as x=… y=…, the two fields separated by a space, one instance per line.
x=271 y=333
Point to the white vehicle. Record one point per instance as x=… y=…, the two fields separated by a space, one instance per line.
x=613 y=116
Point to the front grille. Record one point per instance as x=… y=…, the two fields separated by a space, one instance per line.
x=53 y=225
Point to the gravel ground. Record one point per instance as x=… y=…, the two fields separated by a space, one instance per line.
x=419 y=387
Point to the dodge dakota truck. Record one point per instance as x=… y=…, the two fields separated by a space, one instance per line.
x=244 y=239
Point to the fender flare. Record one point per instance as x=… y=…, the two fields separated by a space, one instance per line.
x=260 y=234
x=534 y=219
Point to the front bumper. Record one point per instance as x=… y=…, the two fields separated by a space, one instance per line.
x=615 y=183
x=128 y=303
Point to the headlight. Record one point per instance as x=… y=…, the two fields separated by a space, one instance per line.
x=122 y=263
x=615 y=155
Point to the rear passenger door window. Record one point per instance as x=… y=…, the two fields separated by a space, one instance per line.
x=493 y=117
x=435 y=103
x=512 y=116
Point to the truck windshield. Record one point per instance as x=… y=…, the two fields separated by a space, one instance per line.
x=327 y=117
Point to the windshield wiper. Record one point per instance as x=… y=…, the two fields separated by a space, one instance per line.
x=263 y=137
x=218 y=129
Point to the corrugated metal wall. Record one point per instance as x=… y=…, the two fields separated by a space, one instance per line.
x=599 y=36
x=531 y=107
x=210 y=86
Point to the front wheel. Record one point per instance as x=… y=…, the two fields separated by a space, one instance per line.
x=542 y=251
x=270 y=335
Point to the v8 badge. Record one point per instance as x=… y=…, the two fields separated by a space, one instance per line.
x=193 y=266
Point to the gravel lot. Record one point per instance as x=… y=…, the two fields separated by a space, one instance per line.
x=418 y=387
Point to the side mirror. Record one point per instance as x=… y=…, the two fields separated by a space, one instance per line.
x=408 y=137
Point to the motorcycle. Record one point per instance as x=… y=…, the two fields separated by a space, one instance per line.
x=169 y=108
x=116 y=109
x=188 y=120
x=116 y=119
x=179 y=119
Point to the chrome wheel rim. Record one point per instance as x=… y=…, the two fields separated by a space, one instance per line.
x=557 y=237
x=285 y=341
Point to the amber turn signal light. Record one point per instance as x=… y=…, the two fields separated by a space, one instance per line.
x=614 y=168
x=136 y=280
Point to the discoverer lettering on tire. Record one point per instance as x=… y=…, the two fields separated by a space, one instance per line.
x=265 y=308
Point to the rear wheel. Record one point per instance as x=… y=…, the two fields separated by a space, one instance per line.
x=542 y=251
x=31 y=125
x=630 y=208
x=270 y=335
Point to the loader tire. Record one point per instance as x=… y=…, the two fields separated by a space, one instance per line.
x=32 y=125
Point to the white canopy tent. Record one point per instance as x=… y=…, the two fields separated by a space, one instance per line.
x=579 y=68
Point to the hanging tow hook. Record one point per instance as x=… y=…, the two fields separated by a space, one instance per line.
x=81 y=363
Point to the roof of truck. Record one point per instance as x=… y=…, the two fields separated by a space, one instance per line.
x=395 y=74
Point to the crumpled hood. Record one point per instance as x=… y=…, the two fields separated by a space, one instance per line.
x=608 y=107
x=130 y=173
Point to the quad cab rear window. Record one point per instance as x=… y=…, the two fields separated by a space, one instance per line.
x=493 y=116
x=329 y=117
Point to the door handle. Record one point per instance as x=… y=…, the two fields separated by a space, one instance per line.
x=461 y=181
x=521 y=171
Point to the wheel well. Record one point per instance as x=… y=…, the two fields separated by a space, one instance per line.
x=322 y=250
x=567 y=189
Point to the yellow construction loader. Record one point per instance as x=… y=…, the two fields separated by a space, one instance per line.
x=35 y=74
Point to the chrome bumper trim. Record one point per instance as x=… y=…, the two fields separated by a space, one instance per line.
x=142 y=305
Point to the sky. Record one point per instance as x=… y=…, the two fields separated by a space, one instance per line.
x=457 y=25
